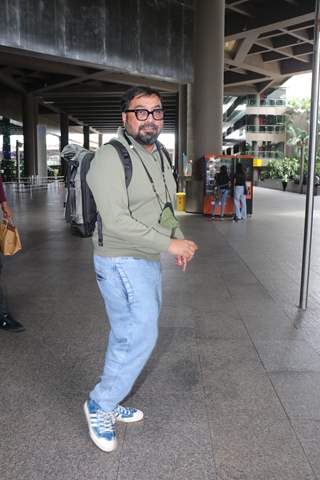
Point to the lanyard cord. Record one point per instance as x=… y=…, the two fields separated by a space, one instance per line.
x=148 y=173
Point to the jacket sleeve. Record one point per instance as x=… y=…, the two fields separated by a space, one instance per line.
x=107 y=182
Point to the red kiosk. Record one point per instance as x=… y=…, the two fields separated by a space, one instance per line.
x=212 y=166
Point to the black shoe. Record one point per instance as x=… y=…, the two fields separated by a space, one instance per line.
x=9 y=324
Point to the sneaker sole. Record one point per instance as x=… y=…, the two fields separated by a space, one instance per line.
x=129 y=420
x=104 y=448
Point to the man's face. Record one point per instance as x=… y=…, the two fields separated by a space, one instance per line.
x=145 y=131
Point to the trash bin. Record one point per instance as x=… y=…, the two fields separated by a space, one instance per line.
x=180 y=201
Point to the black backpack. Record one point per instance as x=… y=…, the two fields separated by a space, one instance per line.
x=80 y=207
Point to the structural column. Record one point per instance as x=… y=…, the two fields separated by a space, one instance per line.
x=64 y=130
x=182 y=132
x=208 y=76
x=64 y=139
x=190 y=122
x=30 y=120
x=42 y=168
x=86 y=137
x=6 y=164
x=100 y=139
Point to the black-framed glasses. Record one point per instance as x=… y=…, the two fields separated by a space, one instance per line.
x=142 y=113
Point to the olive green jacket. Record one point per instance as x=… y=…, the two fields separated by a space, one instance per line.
x=130 y=217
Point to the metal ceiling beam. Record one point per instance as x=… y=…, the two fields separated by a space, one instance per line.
x=273 y=26
x=238 y=10
x=287 y=51
x=22 y=59
x=245 y=46
x=8 y=80
x=300 y=36
x=255 y=66
x=246 y=82
x=67 y=83
x=58 y=111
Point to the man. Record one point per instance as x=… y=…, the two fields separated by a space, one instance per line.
x=6 y=321
x=128 y=263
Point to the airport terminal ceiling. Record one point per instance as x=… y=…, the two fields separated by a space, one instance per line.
x=266 y=42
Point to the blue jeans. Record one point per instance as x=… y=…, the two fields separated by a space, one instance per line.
x=239 y=196
x=223 y=194
x=131 y=289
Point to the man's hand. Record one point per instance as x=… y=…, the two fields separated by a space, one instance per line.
x=182 y=248
x=7 y=212
x=181 y=262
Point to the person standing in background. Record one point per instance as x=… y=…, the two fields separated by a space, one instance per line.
x=6 y=321
x=240 y=193
x=223 y=185
x=284 y=182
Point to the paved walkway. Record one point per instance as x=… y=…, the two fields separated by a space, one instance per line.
x=232 y=391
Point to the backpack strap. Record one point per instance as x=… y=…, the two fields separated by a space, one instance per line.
x=125 y=159
x=165 y=151
x=127 y=166
x=74 y=164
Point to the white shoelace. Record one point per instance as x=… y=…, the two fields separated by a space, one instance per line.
x=105 y=422
x=124 y=411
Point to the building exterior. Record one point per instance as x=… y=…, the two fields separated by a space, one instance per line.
x=255 y=125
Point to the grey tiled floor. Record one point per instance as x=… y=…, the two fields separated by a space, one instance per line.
x=232 y=391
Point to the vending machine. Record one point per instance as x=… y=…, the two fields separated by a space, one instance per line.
x=212 y=165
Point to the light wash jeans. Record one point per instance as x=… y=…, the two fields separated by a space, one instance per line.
x=239 y=196
x=131 y=289
x=223 y=194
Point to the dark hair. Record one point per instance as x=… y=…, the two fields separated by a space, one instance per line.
x=136 y=92
x=223 y=169
x=239 y=169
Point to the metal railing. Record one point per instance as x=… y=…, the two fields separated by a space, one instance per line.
x=267 y=103
x=265 y=128
x=35 y=183
x=271 y=154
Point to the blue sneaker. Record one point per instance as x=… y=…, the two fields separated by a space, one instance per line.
x=127 y=415
x=101 y=426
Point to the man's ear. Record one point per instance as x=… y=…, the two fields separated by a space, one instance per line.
x=124 y=118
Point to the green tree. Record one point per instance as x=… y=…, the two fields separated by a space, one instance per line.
x=297 y=126
x=278 y=168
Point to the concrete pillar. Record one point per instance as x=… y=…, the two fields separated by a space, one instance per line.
x=64 y=130
x=64 y=139
x=6 y=164
x=42 y=168
x=30 y=120
x=100 y=139
x=176 y=136
x=182 y=132
x=86 y=137
x=190 y=121
x=208 y=76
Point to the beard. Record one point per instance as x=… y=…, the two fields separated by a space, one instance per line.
x=147 y=134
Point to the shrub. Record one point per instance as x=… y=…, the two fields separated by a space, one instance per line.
x=278 y=168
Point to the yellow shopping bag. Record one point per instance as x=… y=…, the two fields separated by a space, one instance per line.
x=10 y=242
